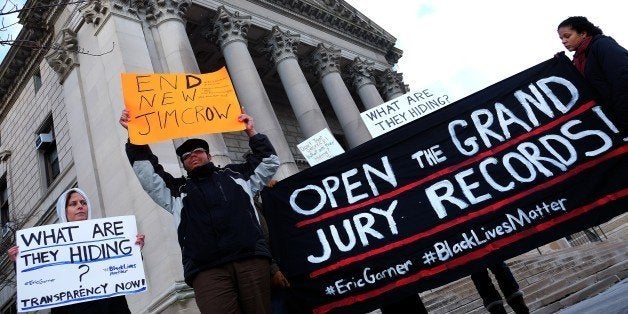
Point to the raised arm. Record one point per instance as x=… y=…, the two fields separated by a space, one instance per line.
x=12 y=252
x=162 y=187
x=262 y=163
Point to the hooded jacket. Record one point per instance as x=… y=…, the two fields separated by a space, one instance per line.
x=63 y=199
x=115 y=304
x=213 y=207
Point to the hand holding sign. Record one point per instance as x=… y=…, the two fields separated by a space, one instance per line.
x=12 y=252
x=166 y=106
x=248 y=122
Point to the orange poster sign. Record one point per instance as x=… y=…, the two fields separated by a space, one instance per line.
x=165 y=106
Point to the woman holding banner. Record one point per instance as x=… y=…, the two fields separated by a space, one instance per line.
x=74 y=205
x=602 y=61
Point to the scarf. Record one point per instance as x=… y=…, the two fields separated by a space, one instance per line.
x=580 y=57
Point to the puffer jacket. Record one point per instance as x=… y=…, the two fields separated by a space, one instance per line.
x=213 y=208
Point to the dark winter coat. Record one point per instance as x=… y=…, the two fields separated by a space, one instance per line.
x=607 y=70
x=213 y=208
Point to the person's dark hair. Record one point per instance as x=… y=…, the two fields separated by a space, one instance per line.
x=67 y=197
x=580 y=24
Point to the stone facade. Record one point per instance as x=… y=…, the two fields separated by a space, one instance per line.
x=297 y=66
x=67 y=80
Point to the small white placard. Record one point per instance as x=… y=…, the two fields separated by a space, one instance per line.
x=320 y=147
x=403 y=110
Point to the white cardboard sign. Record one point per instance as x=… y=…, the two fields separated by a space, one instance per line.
x=74 y=262
x=320 y=147
x=403 y=110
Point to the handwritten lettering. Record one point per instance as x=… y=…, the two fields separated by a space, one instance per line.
x=166 y=106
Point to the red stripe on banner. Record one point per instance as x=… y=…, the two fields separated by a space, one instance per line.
x=448 y=170
x=457 y=221
x=473 y=255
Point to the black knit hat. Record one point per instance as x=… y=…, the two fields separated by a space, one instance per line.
x=191 y=145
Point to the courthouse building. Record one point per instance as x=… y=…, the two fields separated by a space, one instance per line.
x=298 y=67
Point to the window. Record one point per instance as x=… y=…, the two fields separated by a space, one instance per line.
x=4 y=205
x=37 y=80
x=46 y=143
x=51 y=161
x=10 y=308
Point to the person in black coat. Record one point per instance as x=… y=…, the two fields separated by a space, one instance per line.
x=225 y=256
x=602 y=61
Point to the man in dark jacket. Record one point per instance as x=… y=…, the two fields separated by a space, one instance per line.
x=225 y=255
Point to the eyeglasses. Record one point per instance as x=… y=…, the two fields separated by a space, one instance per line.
x=194 y=151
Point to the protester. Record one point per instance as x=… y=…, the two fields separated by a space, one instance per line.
x=225 y=255
x=74 y=205
x=278 y=282
x=602 y=61
x=508 y=285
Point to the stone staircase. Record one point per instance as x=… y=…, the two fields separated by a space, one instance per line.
x=550 y=282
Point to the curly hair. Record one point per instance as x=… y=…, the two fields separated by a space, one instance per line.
x=581 y=25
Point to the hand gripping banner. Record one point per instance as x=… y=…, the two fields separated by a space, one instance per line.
x=521 y=163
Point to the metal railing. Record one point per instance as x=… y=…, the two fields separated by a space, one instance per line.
x=590 y=235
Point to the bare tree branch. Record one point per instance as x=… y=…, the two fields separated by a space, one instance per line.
x=15 y=9
x=54 y=47
x=10 y=7
x=6 y=27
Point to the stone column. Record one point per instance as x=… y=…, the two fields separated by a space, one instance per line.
x=117 y=24
x=281 y=48
x=64 y=60
x=364 y=82
x=121 y=22
x=324 y=60
x=391 y=84
x=230 y=31
x=168 y=18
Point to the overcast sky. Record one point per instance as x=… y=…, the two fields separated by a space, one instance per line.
x=462 y=46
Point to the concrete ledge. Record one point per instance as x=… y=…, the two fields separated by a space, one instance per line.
x=588 y=292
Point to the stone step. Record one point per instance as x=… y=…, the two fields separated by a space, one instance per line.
x=451 y=292
x=537 y=271
x=461 y=308
x=545 y=279
x=616 y=227
x=572 y=294
x=464 y=288
x=579 y=249
x=572 y=253
x=559 y=289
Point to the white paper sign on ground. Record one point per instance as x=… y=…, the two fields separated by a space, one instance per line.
x=404 y=109
x=74 y=262
x=320 y=147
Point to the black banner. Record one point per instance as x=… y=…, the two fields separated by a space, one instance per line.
x=519 y=164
